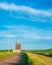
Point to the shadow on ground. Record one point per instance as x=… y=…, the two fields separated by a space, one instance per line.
x=23 y=60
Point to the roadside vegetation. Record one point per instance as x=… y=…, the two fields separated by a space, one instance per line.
x=35 y=59
x=47 y=52
x=39 y=57
x=25 y=59
x=5 y=53
x=32 y=57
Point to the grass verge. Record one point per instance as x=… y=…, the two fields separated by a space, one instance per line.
x=5 y=54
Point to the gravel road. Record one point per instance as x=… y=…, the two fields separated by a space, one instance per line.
x=13 y=60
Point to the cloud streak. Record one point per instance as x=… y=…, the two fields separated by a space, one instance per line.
x=5 y=34
x=27 y=13
x=28 y=32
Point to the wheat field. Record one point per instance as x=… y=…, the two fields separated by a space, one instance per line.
x=36 y=59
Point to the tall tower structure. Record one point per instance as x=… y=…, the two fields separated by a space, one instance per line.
x=17 y=47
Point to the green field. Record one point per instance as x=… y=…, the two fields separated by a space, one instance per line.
x=39 y=57
x=32 y=57
x=42 y=52
x=5 y=53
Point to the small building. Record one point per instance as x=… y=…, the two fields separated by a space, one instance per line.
x=18 y=47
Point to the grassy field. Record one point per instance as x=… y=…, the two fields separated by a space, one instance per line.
x=39 y=57
x=5 y=53
x=35 y=59
x=32 y=57
x=47 y=52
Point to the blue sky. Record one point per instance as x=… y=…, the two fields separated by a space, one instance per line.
x=29 y=21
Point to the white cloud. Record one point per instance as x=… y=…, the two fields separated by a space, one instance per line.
x=5 y=34
x=28 y=32
x=27 y=13
x=7 y=6
x=27 y=9
x=36 y=36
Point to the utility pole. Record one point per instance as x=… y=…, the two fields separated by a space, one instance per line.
x=8 y=41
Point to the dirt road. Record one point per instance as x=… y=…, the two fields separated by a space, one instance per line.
x=13 y=60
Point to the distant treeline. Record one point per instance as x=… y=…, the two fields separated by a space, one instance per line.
x=39 y=51
x=5 y=50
